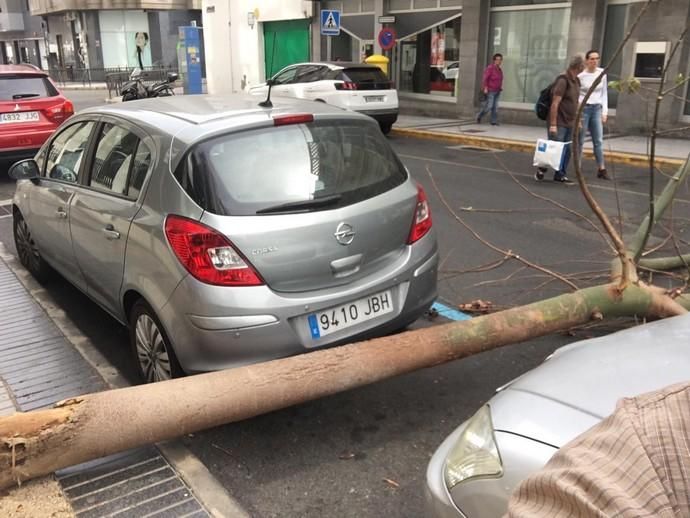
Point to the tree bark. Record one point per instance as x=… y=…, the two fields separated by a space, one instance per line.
x=92 y=426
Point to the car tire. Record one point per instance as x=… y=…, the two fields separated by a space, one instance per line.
x=385 y=128
x=27 y=251
x=154 y=356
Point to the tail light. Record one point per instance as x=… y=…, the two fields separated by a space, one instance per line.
x=207 y=254
x=299 y=118
x=422 y=217
x=346 y=85
x=60 y=112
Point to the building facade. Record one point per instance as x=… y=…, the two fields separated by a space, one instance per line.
x=443 y=46
x=22 y=37
x=249 y=40
x=98 y=35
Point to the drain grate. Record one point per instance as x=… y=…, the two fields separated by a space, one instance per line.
x=39 y=367
x=133 y=484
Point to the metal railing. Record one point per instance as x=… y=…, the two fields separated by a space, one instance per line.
x=113 y=77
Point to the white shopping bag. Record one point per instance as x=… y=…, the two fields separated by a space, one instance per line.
x=550 y=153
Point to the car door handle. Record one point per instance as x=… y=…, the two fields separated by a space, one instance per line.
x=110 y=232
x=60 y=213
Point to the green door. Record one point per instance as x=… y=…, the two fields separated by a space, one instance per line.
x=285 y=43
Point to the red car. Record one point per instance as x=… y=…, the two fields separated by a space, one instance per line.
x=31 y=109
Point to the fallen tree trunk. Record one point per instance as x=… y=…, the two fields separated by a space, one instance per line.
x=95 y=425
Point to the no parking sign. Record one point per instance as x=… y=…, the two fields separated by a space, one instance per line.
x=387 y=38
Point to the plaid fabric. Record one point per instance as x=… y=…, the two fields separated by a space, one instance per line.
x=635 y=463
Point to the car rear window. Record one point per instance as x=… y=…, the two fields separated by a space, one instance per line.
x=364 y=75
x=250 y=172
x=366 y=78
x=15 y=87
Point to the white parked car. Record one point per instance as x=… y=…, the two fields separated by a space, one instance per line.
x=474 y=471
x=358 y=87
x=450 y=72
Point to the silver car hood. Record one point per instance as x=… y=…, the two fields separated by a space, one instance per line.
x=581 y=383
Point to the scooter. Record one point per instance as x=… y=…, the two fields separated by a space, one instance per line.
x=136 y=89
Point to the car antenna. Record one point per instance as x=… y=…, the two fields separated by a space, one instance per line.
x=267 y=103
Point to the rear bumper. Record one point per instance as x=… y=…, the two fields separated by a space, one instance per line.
x=382 y=116
x=216 y=331
x=15 y=155
x=23 y=144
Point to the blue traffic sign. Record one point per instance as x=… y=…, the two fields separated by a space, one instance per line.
x=387 y=38
x=330 y=22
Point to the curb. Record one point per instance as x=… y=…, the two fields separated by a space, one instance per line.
x=528 y=147
x=82 y=87
x=212 y=495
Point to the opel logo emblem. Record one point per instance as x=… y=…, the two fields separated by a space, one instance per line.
x=344 y=234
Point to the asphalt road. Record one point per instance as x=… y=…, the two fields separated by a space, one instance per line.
x=363 y=453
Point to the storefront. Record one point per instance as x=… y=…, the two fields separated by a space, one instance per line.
x=429 y=60
x=125 y=39
x=534 y=42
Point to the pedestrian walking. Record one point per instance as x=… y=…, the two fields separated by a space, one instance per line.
x=492 y=84
x=565 y=93
x=595 y=111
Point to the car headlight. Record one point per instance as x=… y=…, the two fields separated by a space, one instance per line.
x=475 y=454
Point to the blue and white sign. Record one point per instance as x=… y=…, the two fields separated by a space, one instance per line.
x=330 y=22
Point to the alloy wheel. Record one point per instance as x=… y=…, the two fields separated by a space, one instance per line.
x=151 y=350
x=26 y=248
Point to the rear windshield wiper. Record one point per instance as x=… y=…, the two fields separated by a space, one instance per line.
x=24 y=96
x=303 y=205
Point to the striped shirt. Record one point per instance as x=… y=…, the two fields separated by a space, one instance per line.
x=635 y=463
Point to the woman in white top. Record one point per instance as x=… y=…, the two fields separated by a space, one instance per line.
x=595 y=113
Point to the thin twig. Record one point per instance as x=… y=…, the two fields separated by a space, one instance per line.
x=507 y=253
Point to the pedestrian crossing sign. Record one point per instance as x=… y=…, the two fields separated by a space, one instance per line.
x=330 y=22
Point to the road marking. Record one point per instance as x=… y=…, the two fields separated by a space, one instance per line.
x=5 y=202
x=523 y=175
x=6 y=216
x=450 y=313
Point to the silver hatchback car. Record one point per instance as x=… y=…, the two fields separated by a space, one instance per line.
x=225 y=233
x=474 y=471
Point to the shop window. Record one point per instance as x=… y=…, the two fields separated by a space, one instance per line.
x=649 y=59
x=614 y=32
x=125 y=38
x=429 y=60
x=534 y=45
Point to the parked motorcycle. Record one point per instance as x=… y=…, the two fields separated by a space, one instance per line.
x=136 y=89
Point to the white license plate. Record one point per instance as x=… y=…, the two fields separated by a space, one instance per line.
x=341 y=317
x=19 y=117
x=373 y=98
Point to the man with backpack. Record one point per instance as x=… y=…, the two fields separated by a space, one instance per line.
x=565 y=91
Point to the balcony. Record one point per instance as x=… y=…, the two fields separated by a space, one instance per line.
x=46 y=7
x=11 y=22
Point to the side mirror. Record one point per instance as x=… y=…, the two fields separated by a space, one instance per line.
x=24 y=170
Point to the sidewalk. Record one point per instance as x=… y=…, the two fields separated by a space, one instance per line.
x=617 y=148
x=630 y=149
x=44 y=359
